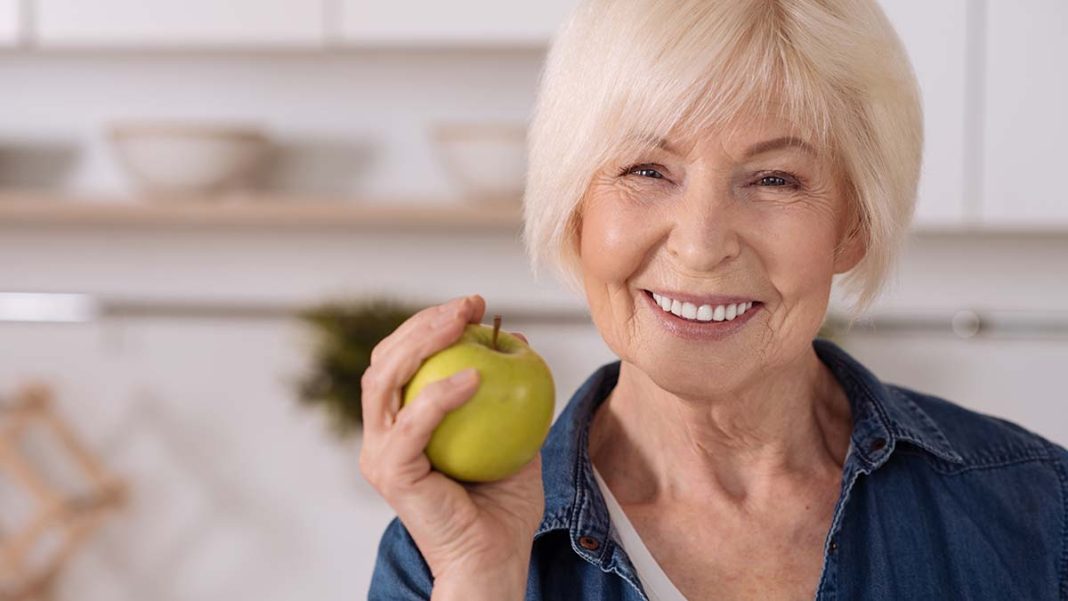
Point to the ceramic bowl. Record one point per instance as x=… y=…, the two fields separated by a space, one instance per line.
x=488 y=161
x=189 y=159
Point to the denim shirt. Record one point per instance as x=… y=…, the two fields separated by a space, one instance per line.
x=936 y=502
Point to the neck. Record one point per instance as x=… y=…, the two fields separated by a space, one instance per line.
x=743 y=445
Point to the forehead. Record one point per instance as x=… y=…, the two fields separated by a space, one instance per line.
x=746 y=135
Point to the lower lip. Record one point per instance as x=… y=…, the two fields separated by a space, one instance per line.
x=700 y=330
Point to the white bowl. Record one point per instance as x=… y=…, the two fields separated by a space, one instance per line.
x=189 y=159
x=487 y=160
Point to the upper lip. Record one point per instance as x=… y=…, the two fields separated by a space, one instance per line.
x=698 y=300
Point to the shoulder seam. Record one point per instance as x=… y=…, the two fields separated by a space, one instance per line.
x=952 y=469
x=1031 y=446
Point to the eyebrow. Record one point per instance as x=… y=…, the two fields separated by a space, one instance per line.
x=777 y=143
x=758 y=148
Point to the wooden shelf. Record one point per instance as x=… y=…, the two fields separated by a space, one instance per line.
x=267 y=211
x=257 y=211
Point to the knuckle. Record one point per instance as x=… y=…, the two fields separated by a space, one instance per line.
x=405 y=425
x=377 y=352
x=367 y=468
x=369 y=379
x=372 y=379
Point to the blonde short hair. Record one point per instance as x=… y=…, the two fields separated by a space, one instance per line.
x=624 y=73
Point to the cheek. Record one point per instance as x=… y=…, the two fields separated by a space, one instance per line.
x=803 y=254
x=611 y=247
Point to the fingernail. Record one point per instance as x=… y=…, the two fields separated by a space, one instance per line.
x=463 y=377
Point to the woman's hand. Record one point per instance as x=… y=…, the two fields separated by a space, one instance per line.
x=474 y=537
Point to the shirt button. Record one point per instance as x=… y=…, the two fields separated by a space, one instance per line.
x=589 y=543
x=834 y=546
x=878 y=444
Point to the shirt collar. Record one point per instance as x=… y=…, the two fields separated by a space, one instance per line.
x=883 y=415
x=572 y=499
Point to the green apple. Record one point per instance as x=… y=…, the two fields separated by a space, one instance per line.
x=502 y=427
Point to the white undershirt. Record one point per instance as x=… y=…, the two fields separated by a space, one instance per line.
x=656 y=583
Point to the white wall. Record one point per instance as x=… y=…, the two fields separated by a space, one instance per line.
x=348 y=124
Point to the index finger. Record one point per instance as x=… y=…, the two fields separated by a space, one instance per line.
x=471 y=307
x=397 y=362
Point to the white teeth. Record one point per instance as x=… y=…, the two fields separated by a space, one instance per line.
x=689 y=311
x=703 y=312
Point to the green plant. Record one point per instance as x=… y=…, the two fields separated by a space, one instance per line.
x=346 y=332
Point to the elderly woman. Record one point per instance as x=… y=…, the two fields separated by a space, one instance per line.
x=701 y=170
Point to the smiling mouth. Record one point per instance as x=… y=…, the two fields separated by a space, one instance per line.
x=705 y=313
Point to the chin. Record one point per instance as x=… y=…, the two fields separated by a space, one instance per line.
x=699 y=377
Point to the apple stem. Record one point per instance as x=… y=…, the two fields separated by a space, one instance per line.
x=496 y=328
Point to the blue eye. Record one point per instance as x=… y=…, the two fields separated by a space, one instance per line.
x=777 y=181
x=773 y=178
x=642 y=171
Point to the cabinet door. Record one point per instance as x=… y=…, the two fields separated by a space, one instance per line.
x=463 y=22
x=934 y=34
x=9 y=22
x=179 y=23
x=1025 y=144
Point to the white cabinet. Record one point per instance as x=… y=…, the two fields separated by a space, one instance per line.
x=464 y=22
x=1025 y=146
x=10 y=17
x=173 y=23
x=935 y=36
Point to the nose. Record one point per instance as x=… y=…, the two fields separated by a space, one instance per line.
x=705 y=232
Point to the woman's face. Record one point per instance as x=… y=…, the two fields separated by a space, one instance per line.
x=715 y=220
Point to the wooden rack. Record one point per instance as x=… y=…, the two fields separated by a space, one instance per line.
x=24 y=575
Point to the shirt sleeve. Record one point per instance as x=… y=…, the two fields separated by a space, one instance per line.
x=401 y=573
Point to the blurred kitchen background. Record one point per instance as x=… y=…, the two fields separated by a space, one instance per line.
x=179 y=181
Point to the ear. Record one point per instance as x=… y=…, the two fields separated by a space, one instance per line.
x=852 y=247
